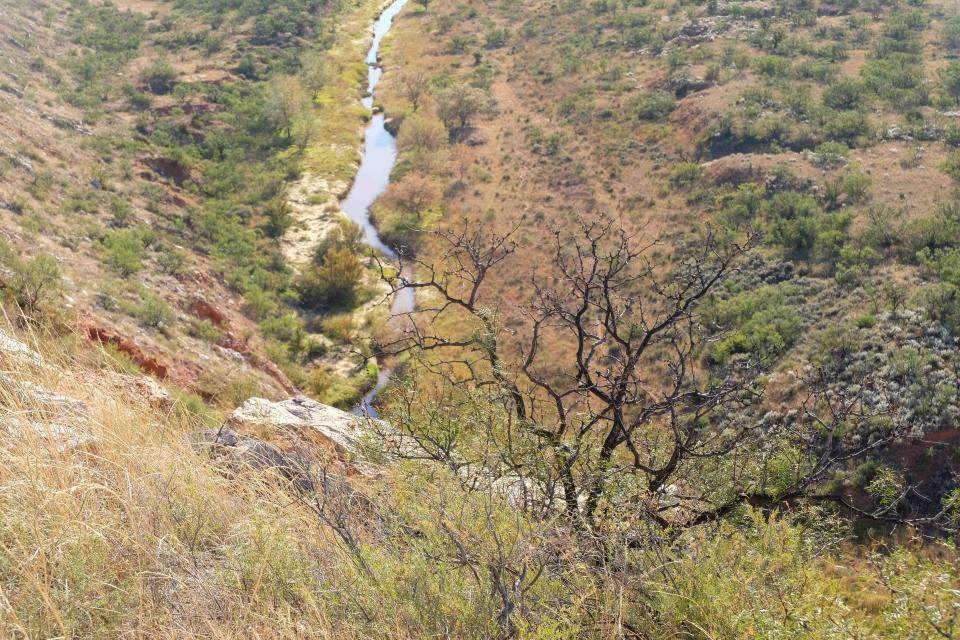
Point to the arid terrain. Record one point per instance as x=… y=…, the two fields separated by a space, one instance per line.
x=650 y=331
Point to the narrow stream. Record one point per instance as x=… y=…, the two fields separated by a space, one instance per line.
x=372 y=179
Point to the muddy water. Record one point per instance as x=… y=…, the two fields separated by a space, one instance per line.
x=373 y=176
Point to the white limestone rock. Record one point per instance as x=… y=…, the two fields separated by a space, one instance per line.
x=340 y=428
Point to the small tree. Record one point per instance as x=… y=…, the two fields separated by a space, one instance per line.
x=599 y=401
x=951 y=34
x=845 y=93
x=414 y=194
x=302 y=130
x=415 y=86
x=346 y=236
x=457 y=107
x=124 y=251
x=285 y=102
x=30 y=283
x=950 y=78
x=420 y=134
x=279 y=217
x=313 y=74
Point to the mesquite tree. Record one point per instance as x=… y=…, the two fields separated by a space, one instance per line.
x=600 y=401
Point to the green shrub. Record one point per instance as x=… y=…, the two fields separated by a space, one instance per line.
x=951 y=34
x=885 y=487
x=30 y=283
x=651 y=106
x=154 y=312
x=333 y=283
x=943 y=263
x=771 y=66
x=928 y=233
x=172 y=261
x=763 y=322
x=259 y=304
x=346 y=236
x=794 y=222
x=121 y=211
x=897 y=79
x=854 y=262
x=279 y=217
x=159 y=78
x=124 y=251
x=845 y=94
x=941 y=304
x=951 y=166
x=339 y=327
x=684 y=174
x=817 y=70
x=286 y=328
x=851 y=127
x=204 y=330
x=866 y=321
x=830 y=155
x=496 y=38
x=950 y=80
x=834 y=347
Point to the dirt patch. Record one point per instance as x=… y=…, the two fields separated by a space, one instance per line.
x=316 y=211
x=147 y=7
x=202 y=309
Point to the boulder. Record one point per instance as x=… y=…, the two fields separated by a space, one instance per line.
x=204 y=310
x=238 y=452
x=143 y=388
x=304 y=420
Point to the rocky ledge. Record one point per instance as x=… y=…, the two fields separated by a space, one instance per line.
x=296 y=437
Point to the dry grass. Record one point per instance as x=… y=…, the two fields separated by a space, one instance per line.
x=134 y=534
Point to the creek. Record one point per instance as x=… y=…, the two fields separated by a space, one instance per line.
x=372 y=179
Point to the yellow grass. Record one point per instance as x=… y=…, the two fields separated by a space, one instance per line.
x=135 y=534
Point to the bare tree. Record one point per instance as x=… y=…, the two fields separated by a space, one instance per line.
x=602 y=401
x=628 y=383
x=415 y=85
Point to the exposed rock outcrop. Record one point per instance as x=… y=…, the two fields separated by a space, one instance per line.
x=149 y=364
x=204 y=310
x=235 y=347
x=28 y=410
x=238 y=452
x=302 y=422
x=311 y=445
x=142 y=388
x=18 y=352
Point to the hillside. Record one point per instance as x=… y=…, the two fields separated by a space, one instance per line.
x=647 y=314
x=153 y=151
